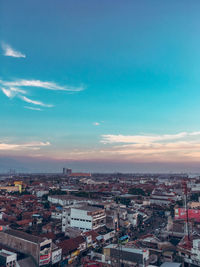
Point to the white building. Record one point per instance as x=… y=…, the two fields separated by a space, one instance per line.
x=8 y=258
x=65 y=200
x=40 y=193
x=196 y=252
x=189 y=250
x=56 y=215
x=84 y=217
x=163 y=198
x=133 y=218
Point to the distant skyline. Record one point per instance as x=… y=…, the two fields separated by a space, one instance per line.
x=100 y=85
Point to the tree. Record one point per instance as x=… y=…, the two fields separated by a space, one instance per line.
x=136 y=191
x=123 y=200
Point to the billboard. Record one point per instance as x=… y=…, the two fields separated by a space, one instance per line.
x=45 y=253
x=180 y=214
x=56 y=256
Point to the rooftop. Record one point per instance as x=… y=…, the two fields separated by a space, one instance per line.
x=5 y=253
x=171 y=264
x=88 y=208
x=25 y=236
x=132 y=250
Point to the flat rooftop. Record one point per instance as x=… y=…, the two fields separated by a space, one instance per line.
x=88 y=208
x=66 y=197
x=25 y=236
x=171 y=264
x=132 y=250
x=6 y=254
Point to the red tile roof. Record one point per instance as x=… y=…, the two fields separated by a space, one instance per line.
x=71 y=244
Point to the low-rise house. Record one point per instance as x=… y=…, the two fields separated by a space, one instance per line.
x=57 y=214
x=91 y=238
x=71 y=248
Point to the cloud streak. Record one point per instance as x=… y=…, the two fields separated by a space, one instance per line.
x=145 y=139
x=13 y=88
x=42 y=84
x=32 y=108
x=11 y=52
x=180 y=147
x=34 y=102
x=183 y=146
x=7 y=92
x=12 y=91
x=25 y=146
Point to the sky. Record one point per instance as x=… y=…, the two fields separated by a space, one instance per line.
x=100 y=85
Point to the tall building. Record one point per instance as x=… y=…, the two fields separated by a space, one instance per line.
x=67 y=171
x=84 y=217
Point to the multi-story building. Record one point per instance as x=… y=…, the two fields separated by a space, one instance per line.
x=65 y=200
x=163 y=198
x=83 y=217
x=67 y=171
x=127 y=256
x=189 y=250
x=39 y=248
x=10 y=188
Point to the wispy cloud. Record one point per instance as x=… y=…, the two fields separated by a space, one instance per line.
x=179 y=147
x=34 y=102
x=13 y=88
x=32 y=108
x=11 y=52
x=42 y=84
x=25 y=146
x=98 y=123
x=12 y=91
x=183 y=146
x=7 y=92
x=144 y=139
x=17 y=90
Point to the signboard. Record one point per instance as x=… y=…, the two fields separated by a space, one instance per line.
x=45 y=253
x=75 y=253
x=180 y=214
x=56 y=256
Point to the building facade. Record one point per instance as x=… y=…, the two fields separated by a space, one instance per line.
x=84 y=218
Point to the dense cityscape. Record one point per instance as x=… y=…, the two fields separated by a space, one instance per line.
x=83 y=219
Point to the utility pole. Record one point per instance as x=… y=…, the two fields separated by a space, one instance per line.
x=119 y=245
x=185 y=191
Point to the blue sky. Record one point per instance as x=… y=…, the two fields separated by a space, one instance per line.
x=93 y=83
